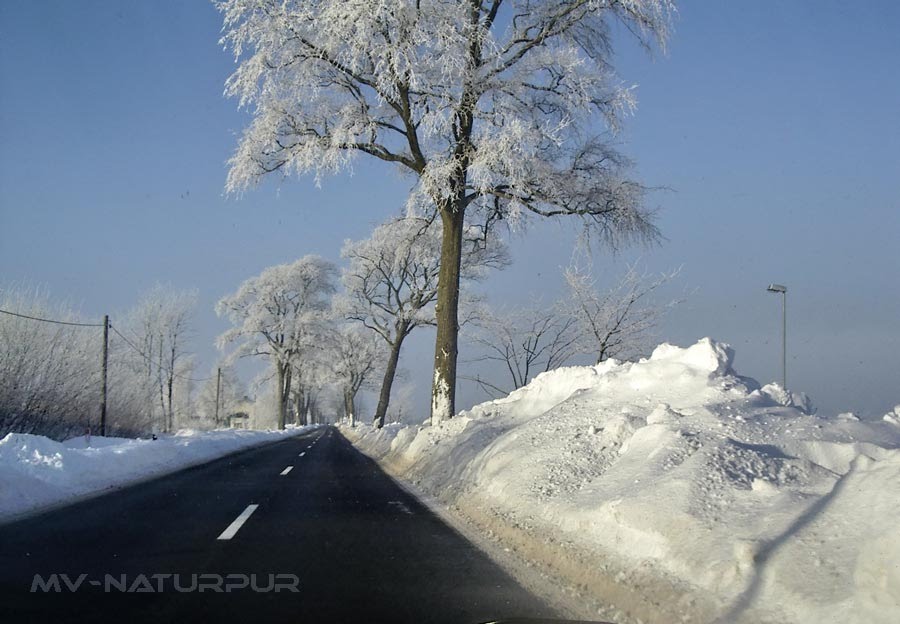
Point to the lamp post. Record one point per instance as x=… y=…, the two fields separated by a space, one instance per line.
x=778 y=288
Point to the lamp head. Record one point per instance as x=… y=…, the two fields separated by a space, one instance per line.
x=777 y=288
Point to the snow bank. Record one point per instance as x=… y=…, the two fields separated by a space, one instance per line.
x=676 y=490
x=893 y=416
x=37 y=472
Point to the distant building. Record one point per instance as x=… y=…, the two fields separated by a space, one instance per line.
x=239 y=420
x=241 y=414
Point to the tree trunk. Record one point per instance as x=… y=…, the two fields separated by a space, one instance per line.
x=348 y=407
x=384 y=397
x=288 y=373
x=279 y=392
x=299 y=412
x=443 y=391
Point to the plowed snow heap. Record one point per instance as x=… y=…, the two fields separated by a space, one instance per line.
x=675 y=470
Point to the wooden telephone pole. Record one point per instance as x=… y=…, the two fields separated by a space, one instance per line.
x=105 y=362
x=218 y=384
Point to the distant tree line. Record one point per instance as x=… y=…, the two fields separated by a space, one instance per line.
x=50 y=369
x=324 y=333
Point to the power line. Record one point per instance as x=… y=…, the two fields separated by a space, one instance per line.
x=128 y=342
x=105 y=326
x=43 y=320
x=150 y=360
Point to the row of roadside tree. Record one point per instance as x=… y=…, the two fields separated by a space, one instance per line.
x=324 y=333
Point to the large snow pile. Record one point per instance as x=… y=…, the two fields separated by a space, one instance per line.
x=676 y=490
x=37 y=472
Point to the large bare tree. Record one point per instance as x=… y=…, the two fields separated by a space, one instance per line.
x=614 y=322
x=498 y=108
x=524 y=343
x=618 y=322
x=392 y=283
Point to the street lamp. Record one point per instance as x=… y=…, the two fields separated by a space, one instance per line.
x=778 y=288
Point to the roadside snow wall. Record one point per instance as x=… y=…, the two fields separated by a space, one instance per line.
x=675 y=490
x=37 y=472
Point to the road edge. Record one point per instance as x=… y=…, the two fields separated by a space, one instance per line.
x=559 y=595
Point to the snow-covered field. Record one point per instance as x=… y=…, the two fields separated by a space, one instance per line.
x=37 y=472
x=675 y=490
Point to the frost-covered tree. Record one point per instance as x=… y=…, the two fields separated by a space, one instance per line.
x=231 y=394
x=402 y=404
x=353 y=354
x=310 y=372
x=392 y=282
x=49 y=372
x=617 y=322
x=276 y=313
x=159 y=326
x=498 y=108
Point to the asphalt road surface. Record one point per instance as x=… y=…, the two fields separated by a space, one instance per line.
x=331 y=539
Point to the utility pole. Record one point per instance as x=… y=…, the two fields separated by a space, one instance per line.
x=218 y=384
x=105 y=361
x=784 y=340
x=778 y=288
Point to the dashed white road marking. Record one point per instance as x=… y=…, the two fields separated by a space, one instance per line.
x=286 y=470
x=235 y=526
x=302 y=454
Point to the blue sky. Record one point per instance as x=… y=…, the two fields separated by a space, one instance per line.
x=776 y=129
